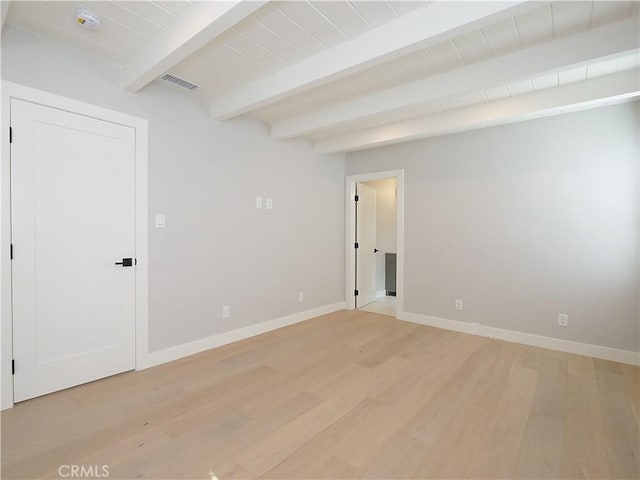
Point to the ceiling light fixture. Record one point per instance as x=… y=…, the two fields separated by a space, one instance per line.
x=87 y=19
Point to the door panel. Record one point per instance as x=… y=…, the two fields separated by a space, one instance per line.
x=72 y=218
x=366 y=238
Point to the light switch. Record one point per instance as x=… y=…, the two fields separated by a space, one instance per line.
x=269 y=204
x=160 y=220
x=258 y=202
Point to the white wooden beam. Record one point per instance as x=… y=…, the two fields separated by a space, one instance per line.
x=201 y=24
x=418 y=29
x=610 y=40
x=588 y=93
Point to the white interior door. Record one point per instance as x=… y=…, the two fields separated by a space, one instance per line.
x=366 y=239
x=73 y=198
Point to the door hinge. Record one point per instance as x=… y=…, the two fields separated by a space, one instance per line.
x=355 y=293
x=11 y=251
x=356 y=198
x=13 y=367
x=10 y=134
x=356 y=245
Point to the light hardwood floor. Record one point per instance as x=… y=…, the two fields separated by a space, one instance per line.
x=383 y=305
x=347 y=395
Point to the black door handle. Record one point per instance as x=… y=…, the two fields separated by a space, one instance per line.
x=375 y=250
x=126 y=262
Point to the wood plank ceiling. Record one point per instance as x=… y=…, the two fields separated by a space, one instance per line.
x=337 y=72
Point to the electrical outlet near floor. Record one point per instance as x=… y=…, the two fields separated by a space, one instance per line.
x=226 y=311
x=563 y=320
x=301 y=296
x=459 y=305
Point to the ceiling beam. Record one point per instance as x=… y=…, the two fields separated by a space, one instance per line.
x=588 y=93
x=610 y=40
x=201 y=24
x=423 y=27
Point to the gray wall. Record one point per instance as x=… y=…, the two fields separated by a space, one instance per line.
x=386 y=225
x=523 y=222
x=217 y=248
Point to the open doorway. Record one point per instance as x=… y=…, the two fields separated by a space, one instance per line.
x=376 y=219
x=374 y=236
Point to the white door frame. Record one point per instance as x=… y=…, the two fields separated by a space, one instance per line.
x=13 y=90
x=350 y=205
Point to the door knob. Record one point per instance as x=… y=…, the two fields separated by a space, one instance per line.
x=126 y=262
x=375 y=250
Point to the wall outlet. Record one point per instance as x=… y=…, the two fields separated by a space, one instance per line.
x=459 y=305
x=226 y=311
x=563 y=320
x=269 y=204
x=258 y=202
x=301 y=296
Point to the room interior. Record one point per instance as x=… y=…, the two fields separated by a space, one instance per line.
x=240 y=129
x=385 y=250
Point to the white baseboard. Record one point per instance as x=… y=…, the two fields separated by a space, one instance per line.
x=381 y=293
x=197 y=346
x=596 y=351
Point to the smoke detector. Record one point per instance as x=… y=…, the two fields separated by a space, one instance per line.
x=87 y=19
